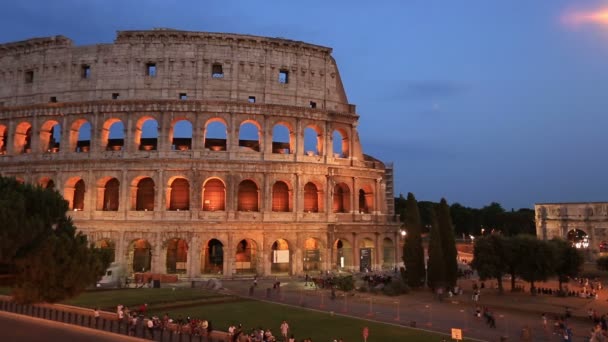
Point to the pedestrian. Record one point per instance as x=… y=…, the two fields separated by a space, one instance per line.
x=284 y=330
x=150 y=325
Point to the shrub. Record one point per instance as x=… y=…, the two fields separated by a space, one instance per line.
x=345 y=283
x=395 y=288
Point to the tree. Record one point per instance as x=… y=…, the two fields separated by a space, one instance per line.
x=539 y=260
x=413 y=252
x=569 y=261
x=40 y=244
x=448 y=243
x=435 y=265
x=489 y=258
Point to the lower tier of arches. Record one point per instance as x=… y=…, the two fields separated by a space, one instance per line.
x=192 y=254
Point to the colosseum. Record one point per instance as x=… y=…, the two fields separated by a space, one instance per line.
x=199 y=154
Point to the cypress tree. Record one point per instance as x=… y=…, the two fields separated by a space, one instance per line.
x=413 y=252
x=448 y=243
x=436 y=267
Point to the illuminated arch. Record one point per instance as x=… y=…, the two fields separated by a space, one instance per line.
x=214 y=195
x=248 y=196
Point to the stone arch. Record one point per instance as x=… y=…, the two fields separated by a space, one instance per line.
x=280 y=257
x=578 y=237
x=178 y=194
x=110 y=188
x=50 y=136
x=80 y=135
x=250 y=135
x=389 y=259
x=107 y=246
x=74 y=191
x=113 y=134
x=313 y=140
x=180 y=134
x=281 y=197
x=341 y=197
x=248 y=196
x=212 y=257
x=145 y=135
x=144 y=197
x=214 y=195
x=3 y=139
x=46 y=183
x=366 y=199
x=343 y=252
x=311 y=255
x=216 y=134
x=22 y=142
x=313 y=198
x=246 y=256
x=340 y=143
x=283 y=138
x=367 y=250
x=176 y=256
x=139 y=256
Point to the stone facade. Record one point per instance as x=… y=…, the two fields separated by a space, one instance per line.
x=557 y=219
x=211 y=200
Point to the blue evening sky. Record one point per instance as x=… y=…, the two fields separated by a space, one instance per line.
x=473 y=100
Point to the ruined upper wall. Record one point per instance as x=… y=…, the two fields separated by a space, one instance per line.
x=43 y=70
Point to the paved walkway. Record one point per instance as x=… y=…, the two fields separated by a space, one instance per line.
x=512 y=311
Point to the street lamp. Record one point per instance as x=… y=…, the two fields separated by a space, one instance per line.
x=403 y=233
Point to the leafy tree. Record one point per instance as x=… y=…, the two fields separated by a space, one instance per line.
x=436 y=262
x=489 y=258
x=490 y=215
x=40 y=244
x=569 y=261
x=513 y=256
x=446 y=230
x=539 y=260
x=413 y=252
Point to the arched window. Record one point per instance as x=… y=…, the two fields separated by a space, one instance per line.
x=340 y=147
x=249 y=138
x=281 y=139
x=146 y=134
x=313 y=141
x=280 y=197
x=215 y=135
x=80 y=136
x=182 y=135
x=3 y=139
x=115 y=135
x=363 y=208
x=145 y=195
x=111 y=195
x=214 y=195
x=78 y=202
x=341 y=198
x=50 y=136
x=177 y=256
x=180 y=195
x=311 y=198
x=248 y=196
x=23 y=138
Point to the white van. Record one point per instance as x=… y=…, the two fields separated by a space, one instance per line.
x=115 y=276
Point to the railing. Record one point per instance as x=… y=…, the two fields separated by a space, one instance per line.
x=112 y=325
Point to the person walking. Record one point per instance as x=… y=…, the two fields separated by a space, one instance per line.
x=284 y=330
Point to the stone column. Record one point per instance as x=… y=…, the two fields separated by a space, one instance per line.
x=356 y=257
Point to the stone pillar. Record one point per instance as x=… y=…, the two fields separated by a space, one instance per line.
x=354 y=197
x=356 y=258
x=379 y=253
x=121 y=248
x=132 y=205
x=123 y=204
x=90 y=193
x=157 y=251
x=10 y=138
x=298 y=192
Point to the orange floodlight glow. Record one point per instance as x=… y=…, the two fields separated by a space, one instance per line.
x=577 y=18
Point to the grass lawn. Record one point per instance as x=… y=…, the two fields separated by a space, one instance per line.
x=303 y=323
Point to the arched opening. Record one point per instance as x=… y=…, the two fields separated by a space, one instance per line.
x=215 y=135
x=47 y=183
x=177 y=256
x=146 y=134
x=313 y=141
x=23 y=138
x=248 y=196
x=80 y=136
x=246 y=256
x=108 y=248
x=212 y=258
x=145 y=195
x=78 y=202
x=279 y=259
x=366 y=253
x=3 y=139
x=312 y=255
x=344 y=254
x=214 y=195
x=111 y=195
x=311 y=198
x=340 y=144
x=578 y=238
x=341 y=198
x=180 y=195
x=280 y=197
x=50 y=136
x=388 y=254
x=364 y=201
x=113 y=135
x=281 y=139
x=182 y=135
x=140 y=256
x=249 y=137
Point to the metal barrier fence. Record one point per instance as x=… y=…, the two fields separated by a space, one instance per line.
x=101 y=323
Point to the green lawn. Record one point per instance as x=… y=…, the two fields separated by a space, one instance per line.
x=304 y=323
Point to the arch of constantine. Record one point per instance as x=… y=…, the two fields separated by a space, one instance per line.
x=197 y=153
